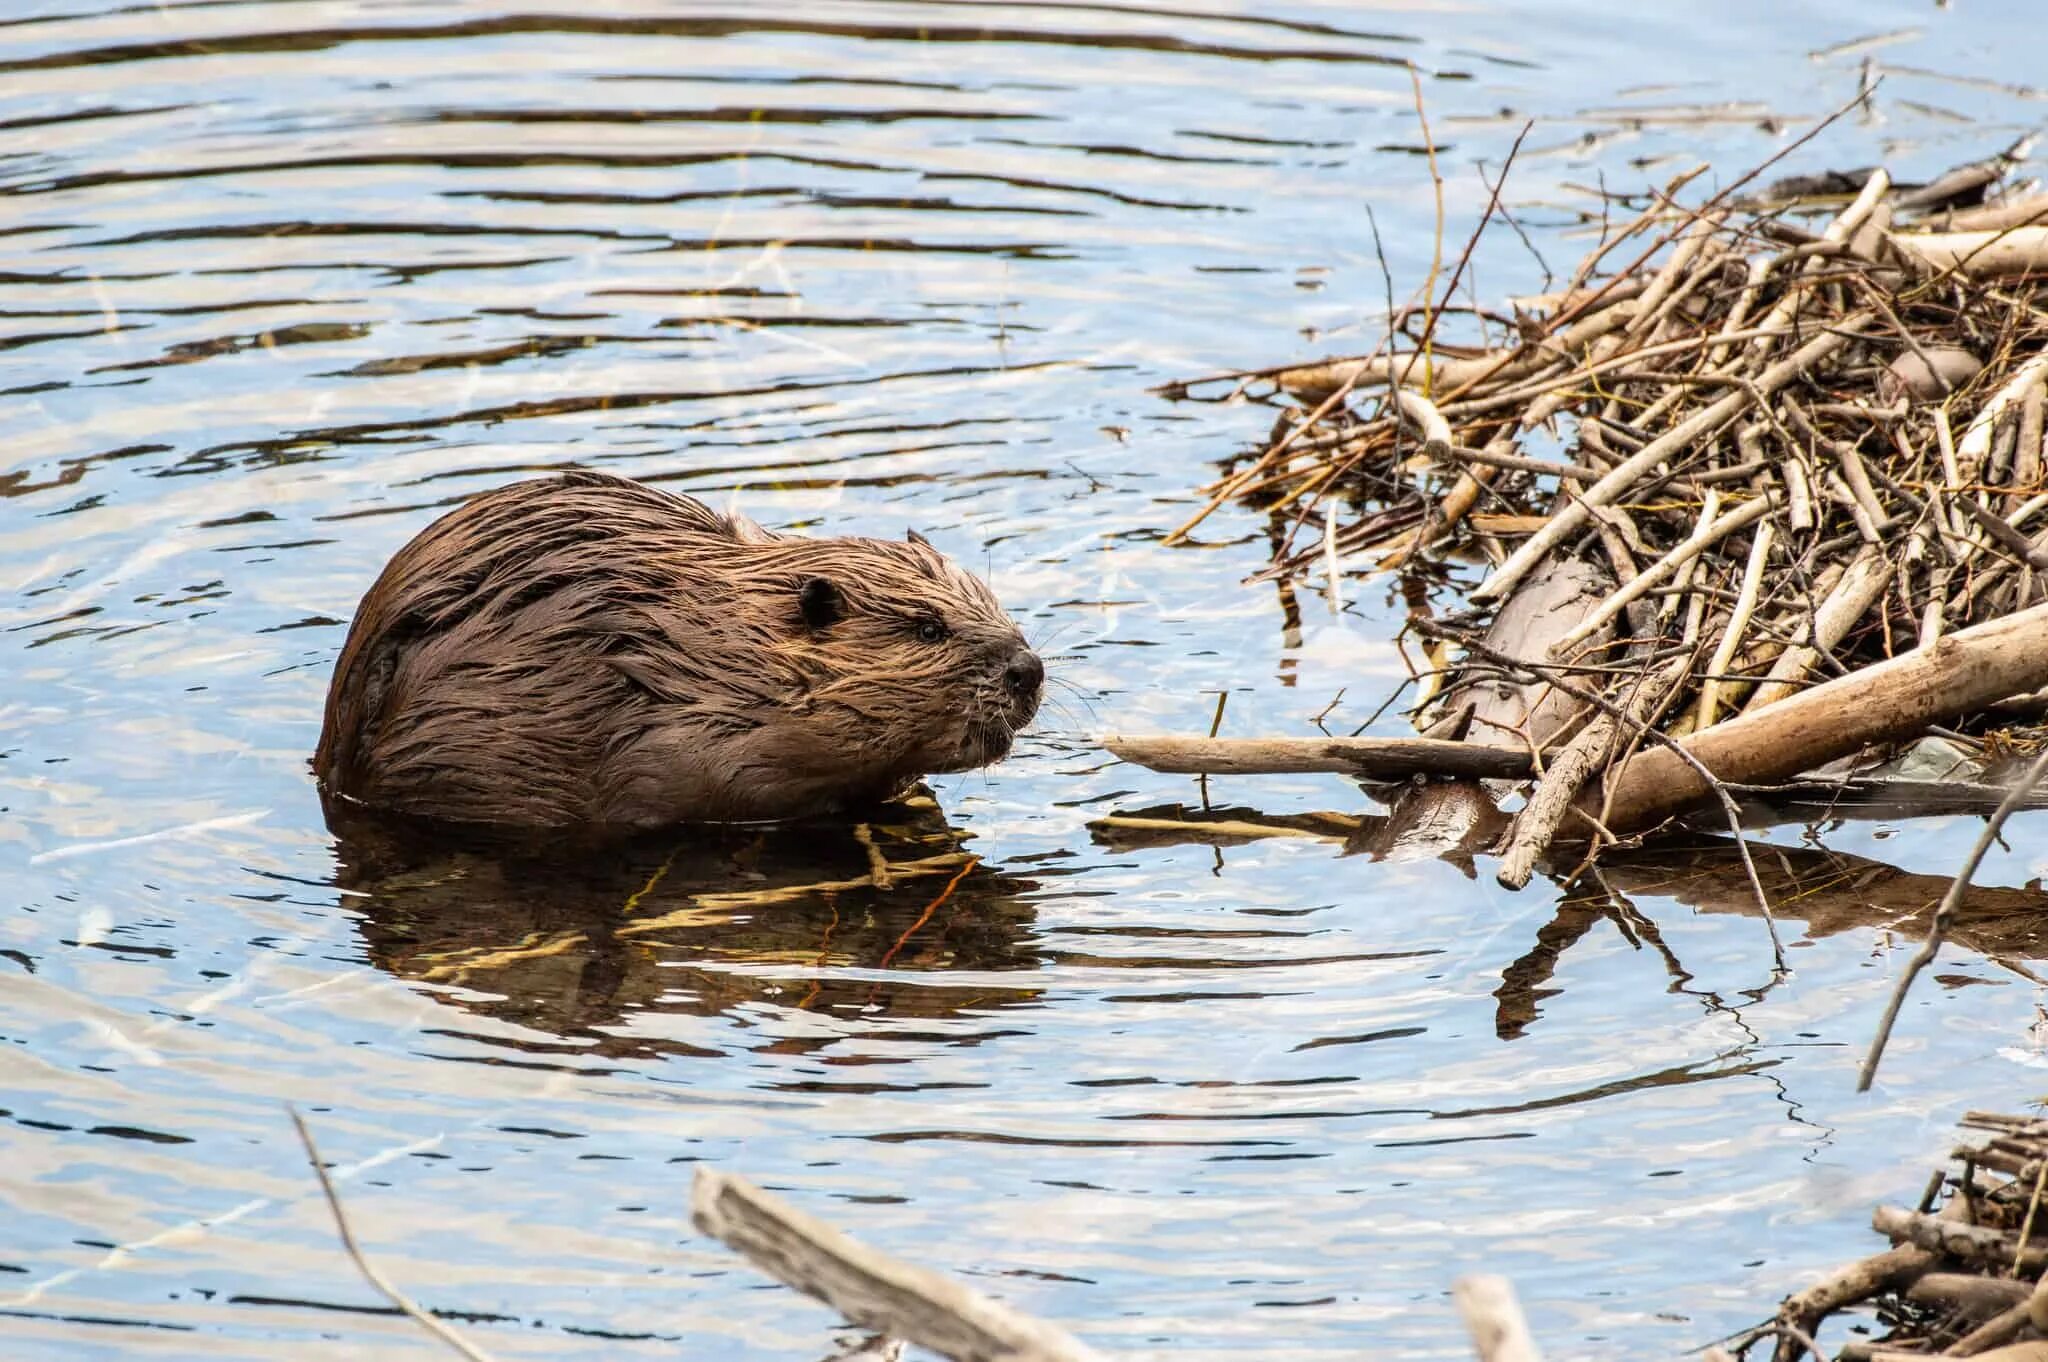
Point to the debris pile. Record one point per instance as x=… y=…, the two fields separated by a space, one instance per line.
x=1756 y=490
x=1960 y=1280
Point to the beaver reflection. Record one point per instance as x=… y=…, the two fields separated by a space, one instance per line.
x=573 y=938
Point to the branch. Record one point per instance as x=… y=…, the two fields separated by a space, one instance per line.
x=868 y=1287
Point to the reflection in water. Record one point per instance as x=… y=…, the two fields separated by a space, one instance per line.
x=1832 y=892
x=1455 y=820
x=879 y=920
x=1829 y=892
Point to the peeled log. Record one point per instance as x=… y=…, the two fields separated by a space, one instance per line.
x=1540 y=612
x=2019 y=250
x=1370 y=758
x=867 y=1286
x=1896 y=699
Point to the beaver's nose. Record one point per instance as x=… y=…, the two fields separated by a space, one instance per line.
x=1025 y=674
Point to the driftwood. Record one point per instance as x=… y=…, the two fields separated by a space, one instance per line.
x=1532 y=623
x=1494 y=1319
x=906 y=1303
x=1964 y=1281
x=1962 y=672
x=2010 y=250
x=870 y=1288
x=1975 y=1245
x=1369 y=758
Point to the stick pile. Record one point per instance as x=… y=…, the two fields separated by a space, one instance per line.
x=1961 y=1281
x=1780 y=449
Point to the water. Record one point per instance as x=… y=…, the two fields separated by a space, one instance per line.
x=283 y=280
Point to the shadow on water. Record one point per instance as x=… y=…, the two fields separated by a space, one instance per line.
x=887 y=919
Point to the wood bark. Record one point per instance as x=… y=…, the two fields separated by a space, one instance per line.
x=1494 y=1318
x=870 y=1288
x=1897 y=699
x=1371 y=758
x=2014 y=250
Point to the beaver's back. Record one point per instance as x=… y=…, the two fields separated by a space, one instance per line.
x=489 y=666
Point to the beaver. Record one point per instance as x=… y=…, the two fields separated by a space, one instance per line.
x=585 y=651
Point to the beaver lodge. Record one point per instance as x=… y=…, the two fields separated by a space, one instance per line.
x=1750 y=513
x=1752 y=509
x=1758 y=494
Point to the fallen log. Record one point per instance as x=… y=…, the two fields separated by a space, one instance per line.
x=1957 y=674
x=1530 y=623
x=1370 y=758
x=1977 y=1245
x=2013 y=250
x=2024 y=212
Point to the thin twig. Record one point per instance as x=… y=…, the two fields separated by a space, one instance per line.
x=1944 y=915
x=399 y=1300
x=1436 y=258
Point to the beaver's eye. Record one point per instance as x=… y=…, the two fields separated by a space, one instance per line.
x=931 y=630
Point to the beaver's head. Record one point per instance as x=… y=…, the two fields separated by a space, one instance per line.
x=898 y=651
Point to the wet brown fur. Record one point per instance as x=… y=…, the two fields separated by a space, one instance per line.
x=588 y=651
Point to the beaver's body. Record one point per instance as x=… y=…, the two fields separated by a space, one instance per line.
x=588 y=651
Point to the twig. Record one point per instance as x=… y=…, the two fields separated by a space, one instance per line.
x=1421 y=413
x=1944 y=914
x=926 y=916
x=1537 y=824
x=1712 y=530
x=1645 y=732
x=1738 y=622
x=378 y=1281
x=1436 y=258
x=1568 y=519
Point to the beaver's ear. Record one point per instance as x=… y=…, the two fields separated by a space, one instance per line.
x=914 y=537
x=820 y=602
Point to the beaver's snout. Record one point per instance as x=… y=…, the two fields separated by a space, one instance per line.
x=1006 y=701
x=1024 y=678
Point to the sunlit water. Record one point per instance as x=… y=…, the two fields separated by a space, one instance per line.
x=281 y=281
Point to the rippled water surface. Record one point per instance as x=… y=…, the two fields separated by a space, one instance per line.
x=281 y=281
